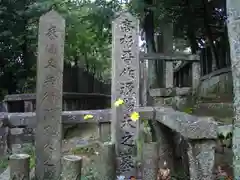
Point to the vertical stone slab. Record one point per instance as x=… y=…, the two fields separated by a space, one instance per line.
x=150 y=160
x=125 y=85
x=233 y=12
x=3 y=141
x=28 y=106
x=201 y=159
x=49 y=96
x=196 y=73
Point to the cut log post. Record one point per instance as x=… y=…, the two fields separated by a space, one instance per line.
x=19 y=166
x=108 y=160
x=150 y=160
x=71 y=167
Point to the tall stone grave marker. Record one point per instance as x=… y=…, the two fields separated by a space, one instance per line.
x=49 y=96
x=125 y=85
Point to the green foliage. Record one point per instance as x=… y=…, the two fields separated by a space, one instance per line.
x=3 y=163
x=188 y=110
x=87 y=42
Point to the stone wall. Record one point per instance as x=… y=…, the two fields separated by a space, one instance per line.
x=216 y=84
x=178 y=98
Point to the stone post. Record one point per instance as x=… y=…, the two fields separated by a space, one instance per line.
x=71 y=167
x=4 y=134
x=104 y=131
x=233 y=12
x=28 y=106
x=201 y=159
x=109 y=161
x=19 y=166
x=49 y=96
x=125 y=85
x=196 y=73
x=150 y=160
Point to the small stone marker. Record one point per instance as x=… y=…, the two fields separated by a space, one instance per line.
x=49 y=96
x=125 y=85
x=72 y=166
x=19 y=166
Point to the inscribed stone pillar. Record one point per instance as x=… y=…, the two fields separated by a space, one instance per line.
x=233 y=12
x=125 y=85
x=49 y=96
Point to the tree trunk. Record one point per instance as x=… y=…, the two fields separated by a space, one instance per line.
x=148 y=27
x=191 y=30
x=233 y=11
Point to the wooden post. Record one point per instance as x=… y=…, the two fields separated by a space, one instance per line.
x=49 y=96
x=233 y=11
x=125 y=85
x=108 y=159
x=168 y=48
x=19 y=166
x=71 y=167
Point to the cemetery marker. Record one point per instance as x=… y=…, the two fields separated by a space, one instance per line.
x=125 y=85
x=49 y=96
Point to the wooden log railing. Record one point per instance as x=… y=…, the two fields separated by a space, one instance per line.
x=198 y=133
x=71 y=101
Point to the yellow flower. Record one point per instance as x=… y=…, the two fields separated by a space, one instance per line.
x=134 y=116
x=118 y=102
x=88 y=116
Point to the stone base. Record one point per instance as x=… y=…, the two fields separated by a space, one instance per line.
x=201 y=154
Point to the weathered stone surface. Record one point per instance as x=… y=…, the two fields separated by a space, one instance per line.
x=104 y=130
x=221 y=110
x=150 y=160
x=4 y=132
x=72 y=166
x=218 y=83
x=189 y=126
x=68 y=117
x=108 y=157
x=233 y=24
x=3 y=107
x=28 y=106
x=19 y=166
x=5 y=175
x=22 y=135
x=201 y=159
x=195 y=75
x=49 y=96
x=125 y=85
x=166 y=92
